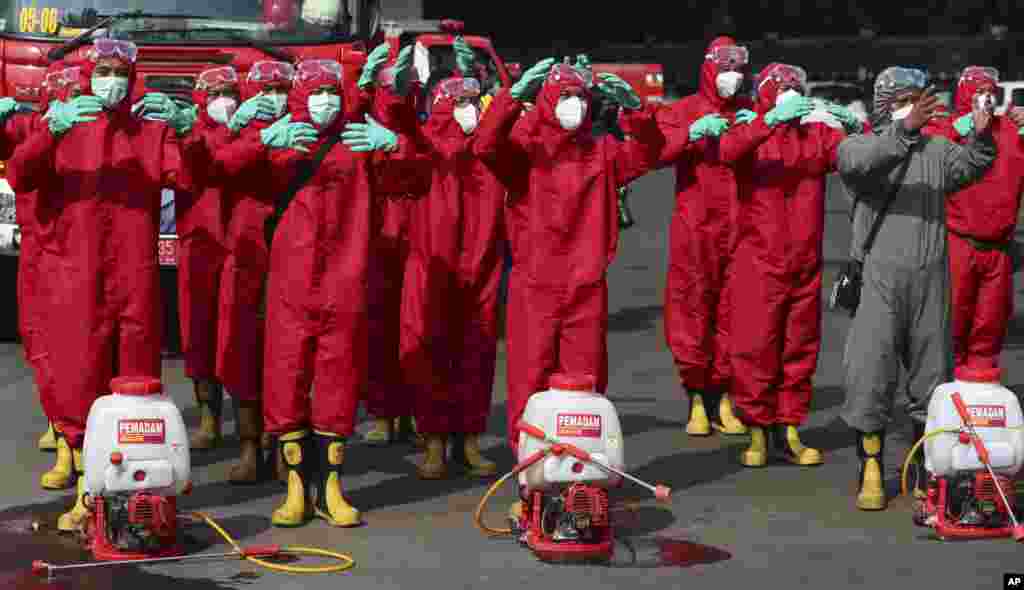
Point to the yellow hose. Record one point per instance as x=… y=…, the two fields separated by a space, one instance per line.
x=346 y=561
x=478 y=518
x=913 y=450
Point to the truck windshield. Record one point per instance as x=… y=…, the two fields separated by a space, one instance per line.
x=227 y=22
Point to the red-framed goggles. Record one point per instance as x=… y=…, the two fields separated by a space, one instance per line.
x=566 y=74
x=898 y=78
x=319 y=69
x=216 y=77
x=786 y=75
x=112 y=48
x=729 y=56
x=979 y=75
x=271 y=71
x=55 y=81
x=457 y=88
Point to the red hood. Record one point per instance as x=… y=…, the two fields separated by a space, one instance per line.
x=44 y=94
x=125 y=106
x=767 y=93
x=547 y=102
x=964 y=95
x=441 y=122
x=708 y=73
x=298 y=104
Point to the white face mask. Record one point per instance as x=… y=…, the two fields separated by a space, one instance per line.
x=570 y=112
x=786 y=96
x=221 y=108
x=902 y=113
x=466 y=117
x=110 y=89
x=728 y=83
x=984 y=102
x=280 y=104
x=323 y=108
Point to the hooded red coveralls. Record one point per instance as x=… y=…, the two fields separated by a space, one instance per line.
x=696 y=299
x=98 y=210
x=981 y=220
x=317 y=326
x=567 y=240
x=775 y=330
x=452 y=289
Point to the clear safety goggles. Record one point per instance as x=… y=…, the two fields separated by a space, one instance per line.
x=901 y=78
x=271 y=71
x=566 y=74
x=65 y=78
x=734 y=56
x=786 y=75
x=319 y=69
x=107 y=48
x=217 y=77
x=457 y=88
x=979 y=74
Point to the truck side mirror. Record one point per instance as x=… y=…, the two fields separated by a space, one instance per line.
x=515 y=70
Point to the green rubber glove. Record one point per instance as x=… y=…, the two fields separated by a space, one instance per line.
x=7 y=107
x=794 y=108
x=464 y=56
x=369 y=136
x=184 y=120
x=850 y=121
x=582 y=62
x=65 y=115
x=712 y=124
x=619 y=91
x=526 y=88
x=257 y=105
x=744 y=116
x=374 y=62
x=285 y=134
x=964 y=125
x=158 y=106
x=404 y=71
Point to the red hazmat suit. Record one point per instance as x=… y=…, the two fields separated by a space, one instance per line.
x=98 y=210
x=775 y=331
x=696 y=298
x=317 y=328
x=981 y=220
x=201 y=223
x=450 y=301
x=568 y=237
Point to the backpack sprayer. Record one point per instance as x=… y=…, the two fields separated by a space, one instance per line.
x=564 y=481
x=136 y=464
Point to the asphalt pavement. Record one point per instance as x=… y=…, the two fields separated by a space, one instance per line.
x=727 y=526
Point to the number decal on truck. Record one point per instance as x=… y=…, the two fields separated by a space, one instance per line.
x=32 y=19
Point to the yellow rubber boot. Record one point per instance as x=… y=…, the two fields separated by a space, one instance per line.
x=210 y=399
x=381 y=433
x=727 y=422
x=48 y=442
x=433 y=465
x=756 y=454
x=75 y=520
x=516 y=513
x=331 y=504
x=249 y=469
x=466 y=452
x=297 y=508
x=62 y=475
x=789 y=446
x=871 y=495
x=698 y=424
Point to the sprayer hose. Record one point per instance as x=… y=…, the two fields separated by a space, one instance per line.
x=917 y=445
x=478 y=517
x=346 y=561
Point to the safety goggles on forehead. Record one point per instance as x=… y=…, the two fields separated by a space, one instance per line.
x=113 y=48
x=729 y=56
x=901 y=78
x=271 y=71
x=63 y=79
x=787 y=75
x=459 y=88
x=566 y=74
x=216 y=77
x=979 y=74
x=319 y=69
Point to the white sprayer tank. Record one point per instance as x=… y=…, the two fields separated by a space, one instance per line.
x=571 y=412
x=996 y=414
x=135 y=440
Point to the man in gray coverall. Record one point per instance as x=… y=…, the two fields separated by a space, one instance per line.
x=904 y=313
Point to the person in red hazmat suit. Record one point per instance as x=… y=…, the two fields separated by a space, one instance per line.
x=781 y=161
x=99 y=181
x=696 y=298
x=59 y=84
x=238 y=165
x=571 y=227
x=317 y=328
x=981 y=220
x=453 y=285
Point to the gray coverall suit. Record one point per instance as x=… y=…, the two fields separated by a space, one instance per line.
x=904 y=315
